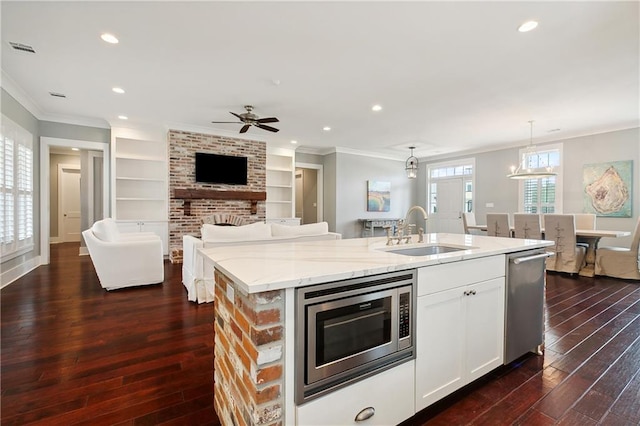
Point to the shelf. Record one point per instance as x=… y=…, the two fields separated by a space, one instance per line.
x=279 y=186
x=138 y=199
x=139 y=179
x=278 y=202
x=279 y=169
x=139 y=158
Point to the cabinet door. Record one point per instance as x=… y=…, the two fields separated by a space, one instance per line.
x=485 y=327
x=440 y=345
x=389 y=393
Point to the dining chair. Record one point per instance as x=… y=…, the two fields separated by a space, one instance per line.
x=568 y=256
x=585 y=220
x=468 y=219
x=620 y=262
x=498 y=225
x=527 y=225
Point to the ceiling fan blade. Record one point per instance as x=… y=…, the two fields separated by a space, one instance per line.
x=239 y=118
x=228 y=122
x=267 y=120
x=269 y=128
x=245 y=128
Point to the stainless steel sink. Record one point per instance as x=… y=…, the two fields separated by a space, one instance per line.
x=425 y=250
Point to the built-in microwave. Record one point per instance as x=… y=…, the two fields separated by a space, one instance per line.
x=351 y=329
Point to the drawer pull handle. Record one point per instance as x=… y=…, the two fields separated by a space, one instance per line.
x=365 y=414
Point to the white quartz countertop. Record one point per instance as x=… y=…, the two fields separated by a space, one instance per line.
x=262 y=267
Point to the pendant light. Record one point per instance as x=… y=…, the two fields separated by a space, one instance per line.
x=523 y=171
x=411 y=165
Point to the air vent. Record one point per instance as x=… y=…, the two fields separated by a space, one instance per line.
x=22 y=47
x=57 y=95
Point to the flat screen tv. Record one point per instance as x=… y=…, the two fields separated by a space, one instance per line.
x=214 y=168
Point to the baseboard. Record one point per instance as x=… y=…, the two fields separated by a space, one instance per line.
x=83 y=251
x=7 y=277
x=55 y=240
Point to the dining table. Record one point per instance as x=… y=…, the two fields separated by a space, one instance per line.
x=591 y=237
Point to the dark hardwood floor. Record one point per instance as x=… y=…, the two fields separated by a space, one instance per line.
x=73 y=353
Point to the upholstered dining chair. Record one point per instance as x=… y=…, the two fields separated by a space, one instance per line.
x=498 y=225
x=527 y=225
x=568 y=256
x=468 y=219
x=620 y=262
x=585 y=220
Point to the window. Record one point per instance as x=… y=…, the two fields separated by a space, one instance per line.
x=16 y=189
x=543 y=195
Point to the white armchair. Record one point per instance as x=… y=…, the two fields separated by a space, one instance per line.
x=124 y=260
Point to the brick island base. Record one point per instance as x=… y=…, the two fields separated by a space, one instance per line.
x=248 y=355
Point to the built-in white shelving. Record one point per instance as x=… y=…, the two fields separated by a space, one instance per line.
x=140 y=182
x=280 y=183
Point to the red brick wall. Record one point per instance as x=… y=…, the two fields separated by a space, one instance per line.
x=182 y=149
x=248 y=355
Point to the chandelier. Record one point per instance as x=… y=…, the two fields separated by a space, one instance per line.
x=524 y=169
x=411 y=165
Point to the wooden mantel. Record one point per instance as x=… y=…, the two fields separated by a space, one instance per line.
x=213 y=194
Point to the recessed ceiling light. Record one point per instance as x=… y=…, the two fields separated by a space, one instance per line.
x=75 y=149
x=118 y=90
x=527 y=26
x=326 y=128
x=123 y=117
x=109 y=38
x=294 y=142
x=376 y=108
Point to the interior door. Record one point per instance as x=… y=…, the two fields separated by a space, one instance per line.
x=69 y=189
x=449 y=199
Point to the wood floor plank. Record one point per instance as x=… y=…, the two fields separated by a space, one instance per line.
x=73 y=353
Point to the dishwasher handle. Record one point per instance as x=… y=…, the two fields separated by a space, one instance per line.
x=519 y=260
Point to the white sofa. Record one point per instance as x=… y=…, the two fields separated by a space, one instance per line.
x=124 y=259
x=198 y=277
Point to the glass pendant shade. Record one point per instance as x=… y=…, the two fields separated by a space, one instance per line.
x=411 y=165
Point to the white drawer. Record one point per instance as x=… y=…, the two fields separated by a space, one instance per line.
x=432 y=279
x=390 y=393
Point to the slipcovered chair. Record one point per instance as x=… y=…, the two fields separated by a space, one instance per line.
x=498 y=225
x=124 y=259
x=468 y=219
x=619 y=262
x=527 y=225
x=568 y=256
x=585 y=220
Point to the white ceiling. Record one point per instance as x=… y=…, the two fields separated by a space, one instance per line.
x=450 y=76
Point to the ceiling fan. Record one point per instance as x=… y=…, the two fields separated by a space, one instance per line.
x=250 y=119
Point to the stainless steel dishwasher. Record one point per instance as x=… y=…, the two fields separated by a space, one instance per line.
x=524 y=310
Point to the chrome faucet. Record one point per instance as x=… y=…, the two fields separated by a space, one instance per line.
x=404 y=226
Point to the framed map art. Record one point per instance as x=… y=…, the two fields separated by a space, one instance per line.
x=607 y=188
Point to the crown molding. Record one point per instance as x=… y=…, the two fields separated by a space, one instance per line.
x=13 y=89
x=212 y=131
x=10 y=86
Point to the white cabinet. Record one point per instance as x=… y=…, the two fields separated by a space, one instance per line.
x=389 y=393
x=139 y=180
x=280 y=183
x=459 y=325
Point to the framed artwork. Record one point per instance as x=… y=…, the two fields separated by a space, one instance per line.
x=378 y=196
x=607 y=188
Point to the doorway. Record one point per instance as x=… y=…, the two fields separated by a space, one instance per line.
x=308 y=193
x=450 y=193
x=48 y=145
x=68 y=203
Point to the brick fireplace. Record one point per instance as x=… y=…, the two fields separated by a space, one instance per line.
x=182 y=149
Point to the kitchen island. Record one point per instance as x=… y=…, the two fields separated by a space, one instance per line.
x=257 y=336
